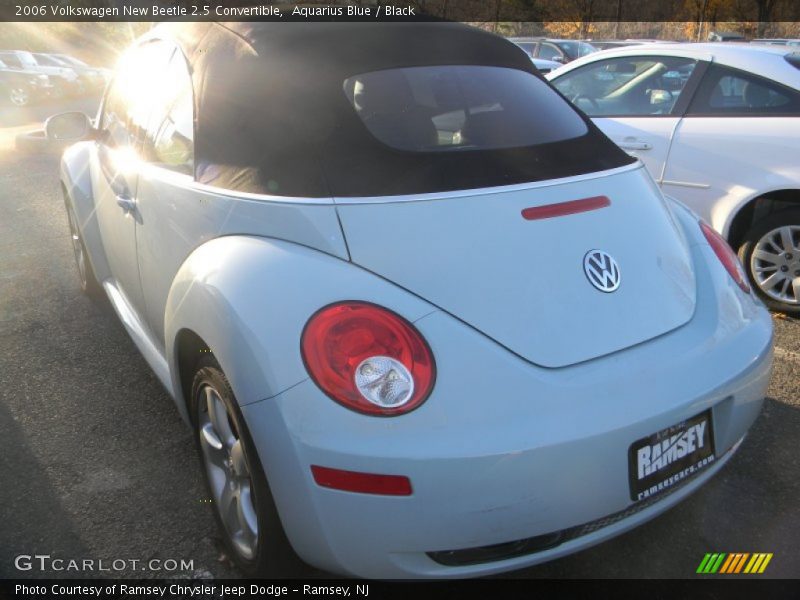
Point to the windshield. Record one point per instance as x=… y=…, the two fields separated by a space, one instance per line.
x=457 y=108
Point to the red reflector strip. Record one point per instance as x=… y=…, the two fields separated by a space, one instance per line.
x=364 y=483
x=565 y=208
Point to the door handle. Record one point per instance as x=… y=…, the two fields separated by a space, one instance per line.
x=634 y=145
x=126 y=203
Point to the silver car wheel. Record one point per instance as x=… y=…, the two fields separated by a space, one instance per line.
x=228 y=472
x=775 y=264
x=19 y=97
x=77 y=248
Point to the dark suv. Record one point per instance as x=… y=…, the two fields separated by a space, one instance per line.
x=20 y=87
x=562 y=51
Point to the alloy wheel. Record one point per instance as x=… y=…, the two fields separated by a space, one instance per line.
x=775 y=264
x=228 y=472
x=19 y=97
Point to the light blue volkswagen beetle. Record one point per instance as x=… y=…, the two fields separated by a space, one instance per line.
x=424 y=318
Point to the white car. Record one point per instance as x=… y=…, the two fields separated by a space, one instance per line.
x=718 y=126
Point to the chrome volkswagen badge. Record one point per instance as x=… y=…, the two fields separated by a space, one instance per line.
x=601 y=270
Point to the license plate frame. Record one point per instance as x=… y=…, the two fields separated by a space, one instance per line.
x=659 y=461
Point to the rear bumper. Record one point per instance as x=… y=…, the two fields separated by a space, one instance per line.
x=504 y=451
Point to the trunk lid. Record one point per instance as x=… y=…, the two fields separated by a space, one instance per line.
x=522 y=282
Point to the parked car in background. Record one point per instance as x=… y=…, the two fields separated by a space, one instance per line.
x=20 y=87
x=100 y=75
x=89 y=78
x=65 y=80
x=545 y=66
x=541 y=64
x=718 y=126
x=776 y=41
x=528 y=44
x=556 y=50
x=425 y=320
x=650 y=41
x=725 y=36
x=606 y=44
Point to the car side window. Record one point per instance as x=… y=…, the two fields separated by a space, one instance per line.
x=169 y=136
x=131 y=97
x=726 y=91
x=47 y=61
x=628 y=86
x=549 y=52
x=115 y=121
x=11 y=60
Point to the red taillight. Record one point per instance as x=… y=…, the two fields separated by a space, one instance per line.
x=561 y=209
x=364 y=483
x=368 y=358
x=726 y=256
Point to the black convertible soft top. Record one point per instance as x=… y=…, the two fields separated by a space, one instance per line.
x=272 y=115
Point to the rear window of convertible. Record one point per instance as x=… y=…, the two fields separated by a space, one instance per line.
x=457 y=108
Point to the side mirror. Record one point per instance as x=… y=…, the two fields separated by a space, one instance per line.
x=69 y=126
x=558 y=59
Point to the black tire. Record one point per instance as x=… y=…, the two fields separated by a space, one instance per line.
x=274 y=556
x=88 y=280
x=790 y=216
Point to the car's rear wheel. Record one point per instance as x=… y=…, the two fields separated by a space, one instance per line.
x=89 y=284
x=19 y=96
x=770 y=253
x=237 y=485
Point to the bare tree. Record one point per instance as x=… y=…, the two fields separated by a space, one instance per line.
x=765 y=9
x=585 y=14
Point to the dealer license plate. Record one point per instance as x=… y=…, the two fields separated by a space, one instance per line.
x=662 y=460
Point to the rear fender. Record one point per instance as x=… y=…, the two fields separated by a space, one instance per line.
x=249 y=298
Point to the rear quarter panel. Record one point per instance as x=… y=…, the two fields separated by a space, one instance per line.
x=175 y=217
x=249 y=299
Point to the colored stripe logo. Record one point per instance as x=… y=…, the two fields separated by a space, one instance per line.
x=733 y=563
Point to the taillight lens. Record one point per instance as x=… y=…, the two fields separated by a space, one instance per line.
x=726 y=256
x=368 y=358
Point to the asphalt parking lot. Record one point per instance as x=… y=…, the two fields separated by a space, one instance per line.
x=95 y=462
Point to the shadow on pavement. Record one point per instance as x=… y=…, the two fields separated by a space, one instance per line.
x=34 y=520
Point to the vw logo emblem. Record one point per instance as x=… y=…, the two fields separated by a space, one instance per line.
x=601 y=270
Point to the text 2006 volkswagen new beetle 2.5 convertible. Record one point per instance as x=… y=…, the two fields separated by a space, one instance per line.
x=425 y=319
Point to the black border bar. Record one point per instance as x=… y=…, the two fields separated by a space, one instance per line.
x=477 y=11
x=716 y=588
